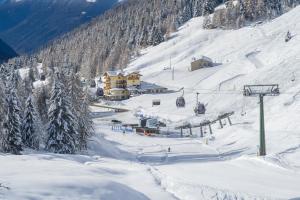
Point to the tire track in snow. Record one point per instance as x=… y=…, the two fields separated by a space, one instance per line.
x=293 y=100
x=229 y=80
x=254 y=60
x=183 y=190
x=159 y=182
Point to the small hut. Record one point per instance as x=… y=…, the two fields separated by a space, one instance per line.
x=202 y=62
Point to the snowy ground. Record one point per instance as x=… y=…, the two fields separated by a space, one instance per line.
x=222 y=166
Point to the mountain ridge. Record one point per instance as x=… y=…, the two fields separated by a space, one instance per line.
x=6 y=52
x=27 y=25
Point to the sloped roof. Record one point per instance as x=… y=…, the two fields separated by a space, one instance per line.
x=114 y=73
x=133 y=73
x=118 y=89
x=147 y=86
x=202 y=58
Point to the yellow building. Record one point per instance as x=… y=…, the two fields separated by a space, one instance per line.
x=115 y=85
x=133 y=79
x=118 y=94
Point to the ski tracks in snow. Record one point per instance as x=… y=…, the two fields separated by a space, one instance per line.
x=254 y=60
x=182 y=189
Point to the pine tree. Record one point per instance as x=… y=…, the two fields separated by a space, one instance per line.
x=156 y=36
x=208 y=7
x=12 y=122
x=2 y=99
x=41 y=97
x=14 y=78
x=274 y=8
x=62 y=132
x=4 y=72
x=197 y=8
x=85 y=124
x=30 y=136
x=31 y=74
x=186 y=13
x=2 y=113
x=80 y=106
x=142 y=40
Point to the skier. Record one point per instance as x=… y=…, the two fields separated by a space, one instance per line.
x=169 y=149
x=288 y=36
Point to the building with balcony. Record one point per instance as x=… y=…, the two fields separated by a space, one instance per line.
x=115 y=85
x=133 y=79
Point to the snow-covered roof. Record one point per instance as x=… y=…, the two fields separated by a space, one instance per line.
x=147 y=86
x=117 y=89
x=132 y=88
x=203 y=58
x=135 y=72
x=114 y=73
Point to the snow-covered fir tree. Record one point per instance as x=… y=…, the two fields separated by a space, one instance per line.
x=156 y=36
x=208 y=7
x=2 y=112
x=85 y=124
x=197 y=8
x=80 y=106
x=4 y=72
x=187 y=13
x=11 y=139
x=41 y=97
x=14 y=78
x=62 y=135
x=30 y=131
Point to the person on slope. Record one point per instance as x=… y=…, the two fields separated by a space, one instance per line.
x=288 y=36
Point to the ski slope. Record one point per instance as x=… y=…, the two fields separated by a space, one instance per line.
x=252 y=55
x=256 y=54
x=221 y=168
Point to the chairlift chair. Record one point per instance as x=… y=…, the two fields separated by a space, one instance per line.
x=200 y=109
x=180 y=101
x=100 y=92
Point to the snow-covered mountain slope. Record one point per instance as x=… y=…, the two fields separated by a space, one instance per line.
x=251 y=55
x=27 y=25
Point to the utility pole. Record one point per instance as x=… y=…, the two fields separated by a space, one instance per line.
x=261 y=91
x=172 y=68
x=173 y=74
x=262 y=136
x=197 y=99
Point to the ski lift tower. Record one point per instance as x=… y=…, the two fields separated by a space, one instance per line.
x=261 y=91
